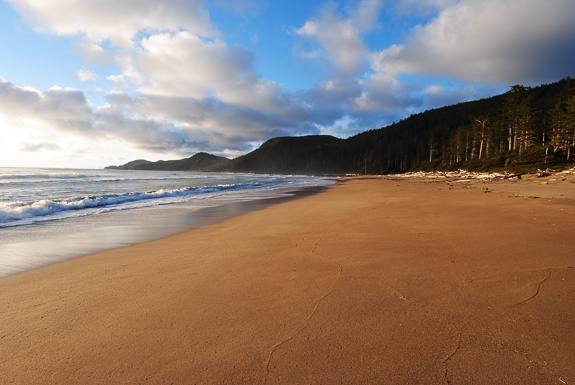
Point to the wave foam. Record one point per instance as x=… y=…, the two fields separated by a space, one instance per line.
x=17 y=213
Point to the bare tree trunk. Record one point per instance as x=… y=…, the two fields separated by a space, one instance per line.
x=457 y=151
x=482 y=122
x=467 y=147
x=510 y=138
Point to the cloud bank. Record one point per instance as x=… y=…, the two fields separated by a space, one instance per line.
x=492 y=41
x=180 y=86
x=118 y=21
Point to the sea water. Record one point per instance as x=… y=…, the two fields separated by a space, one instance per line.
x=50 y=215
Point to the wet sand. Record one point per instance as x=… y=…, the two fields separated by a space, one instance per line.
x=374 y=281
x=29 y=247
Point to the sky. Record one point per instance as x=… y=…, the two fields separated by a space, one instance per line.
x=92 y=83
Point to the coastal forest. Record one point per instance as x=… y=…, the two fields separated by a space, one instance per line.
x=523 y=129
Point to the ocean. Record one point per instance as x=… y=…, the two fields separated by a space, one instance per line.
x=50 y=215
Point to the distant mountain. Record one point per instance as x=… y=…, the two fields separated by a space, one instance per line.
x=199 y=162
x=131 y=165
x=523 y=129
x=291 y=155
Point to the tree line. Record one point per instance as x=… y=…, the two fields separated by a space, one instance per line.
x=527 y=127
x=524 y=128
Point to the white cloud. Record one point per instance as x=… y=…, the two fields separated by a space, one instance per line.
x=383 y=93
x=116 y=20
x=185 y=65
x=339 y=36
x=490 y=41
x=435 y=90
x=364 y=16
x=60 y=106
x=86 y=75
x=92 y=52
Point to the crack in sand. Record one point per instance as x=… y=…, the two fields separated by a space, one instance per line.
x=276 y=346
x=537 y=291
x=445 y=362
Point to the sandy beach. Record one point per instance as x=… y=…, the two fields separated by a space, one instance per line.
x=375 y=281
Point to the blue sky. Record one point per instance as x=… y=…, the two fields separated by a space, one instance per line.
x=89 y=83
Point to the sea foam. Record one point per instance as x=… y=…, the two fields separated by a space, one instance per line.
x=19 y=213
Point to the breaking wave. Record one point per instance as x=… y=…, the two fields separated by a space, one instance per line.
x=21 y=213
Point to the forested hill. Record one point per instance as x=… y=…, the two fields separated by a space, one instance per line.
x=523 y=129
x=315 y=154
x=199 y=162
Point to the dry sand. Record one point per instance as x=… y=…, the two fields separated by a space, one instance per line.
x=375 y=281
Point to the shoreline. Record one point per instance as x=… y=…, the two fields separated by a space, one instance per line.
x=33 y=246
x=373 y=281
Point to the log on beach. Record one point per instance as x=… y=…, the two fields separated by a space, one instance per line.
x=374 y=281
